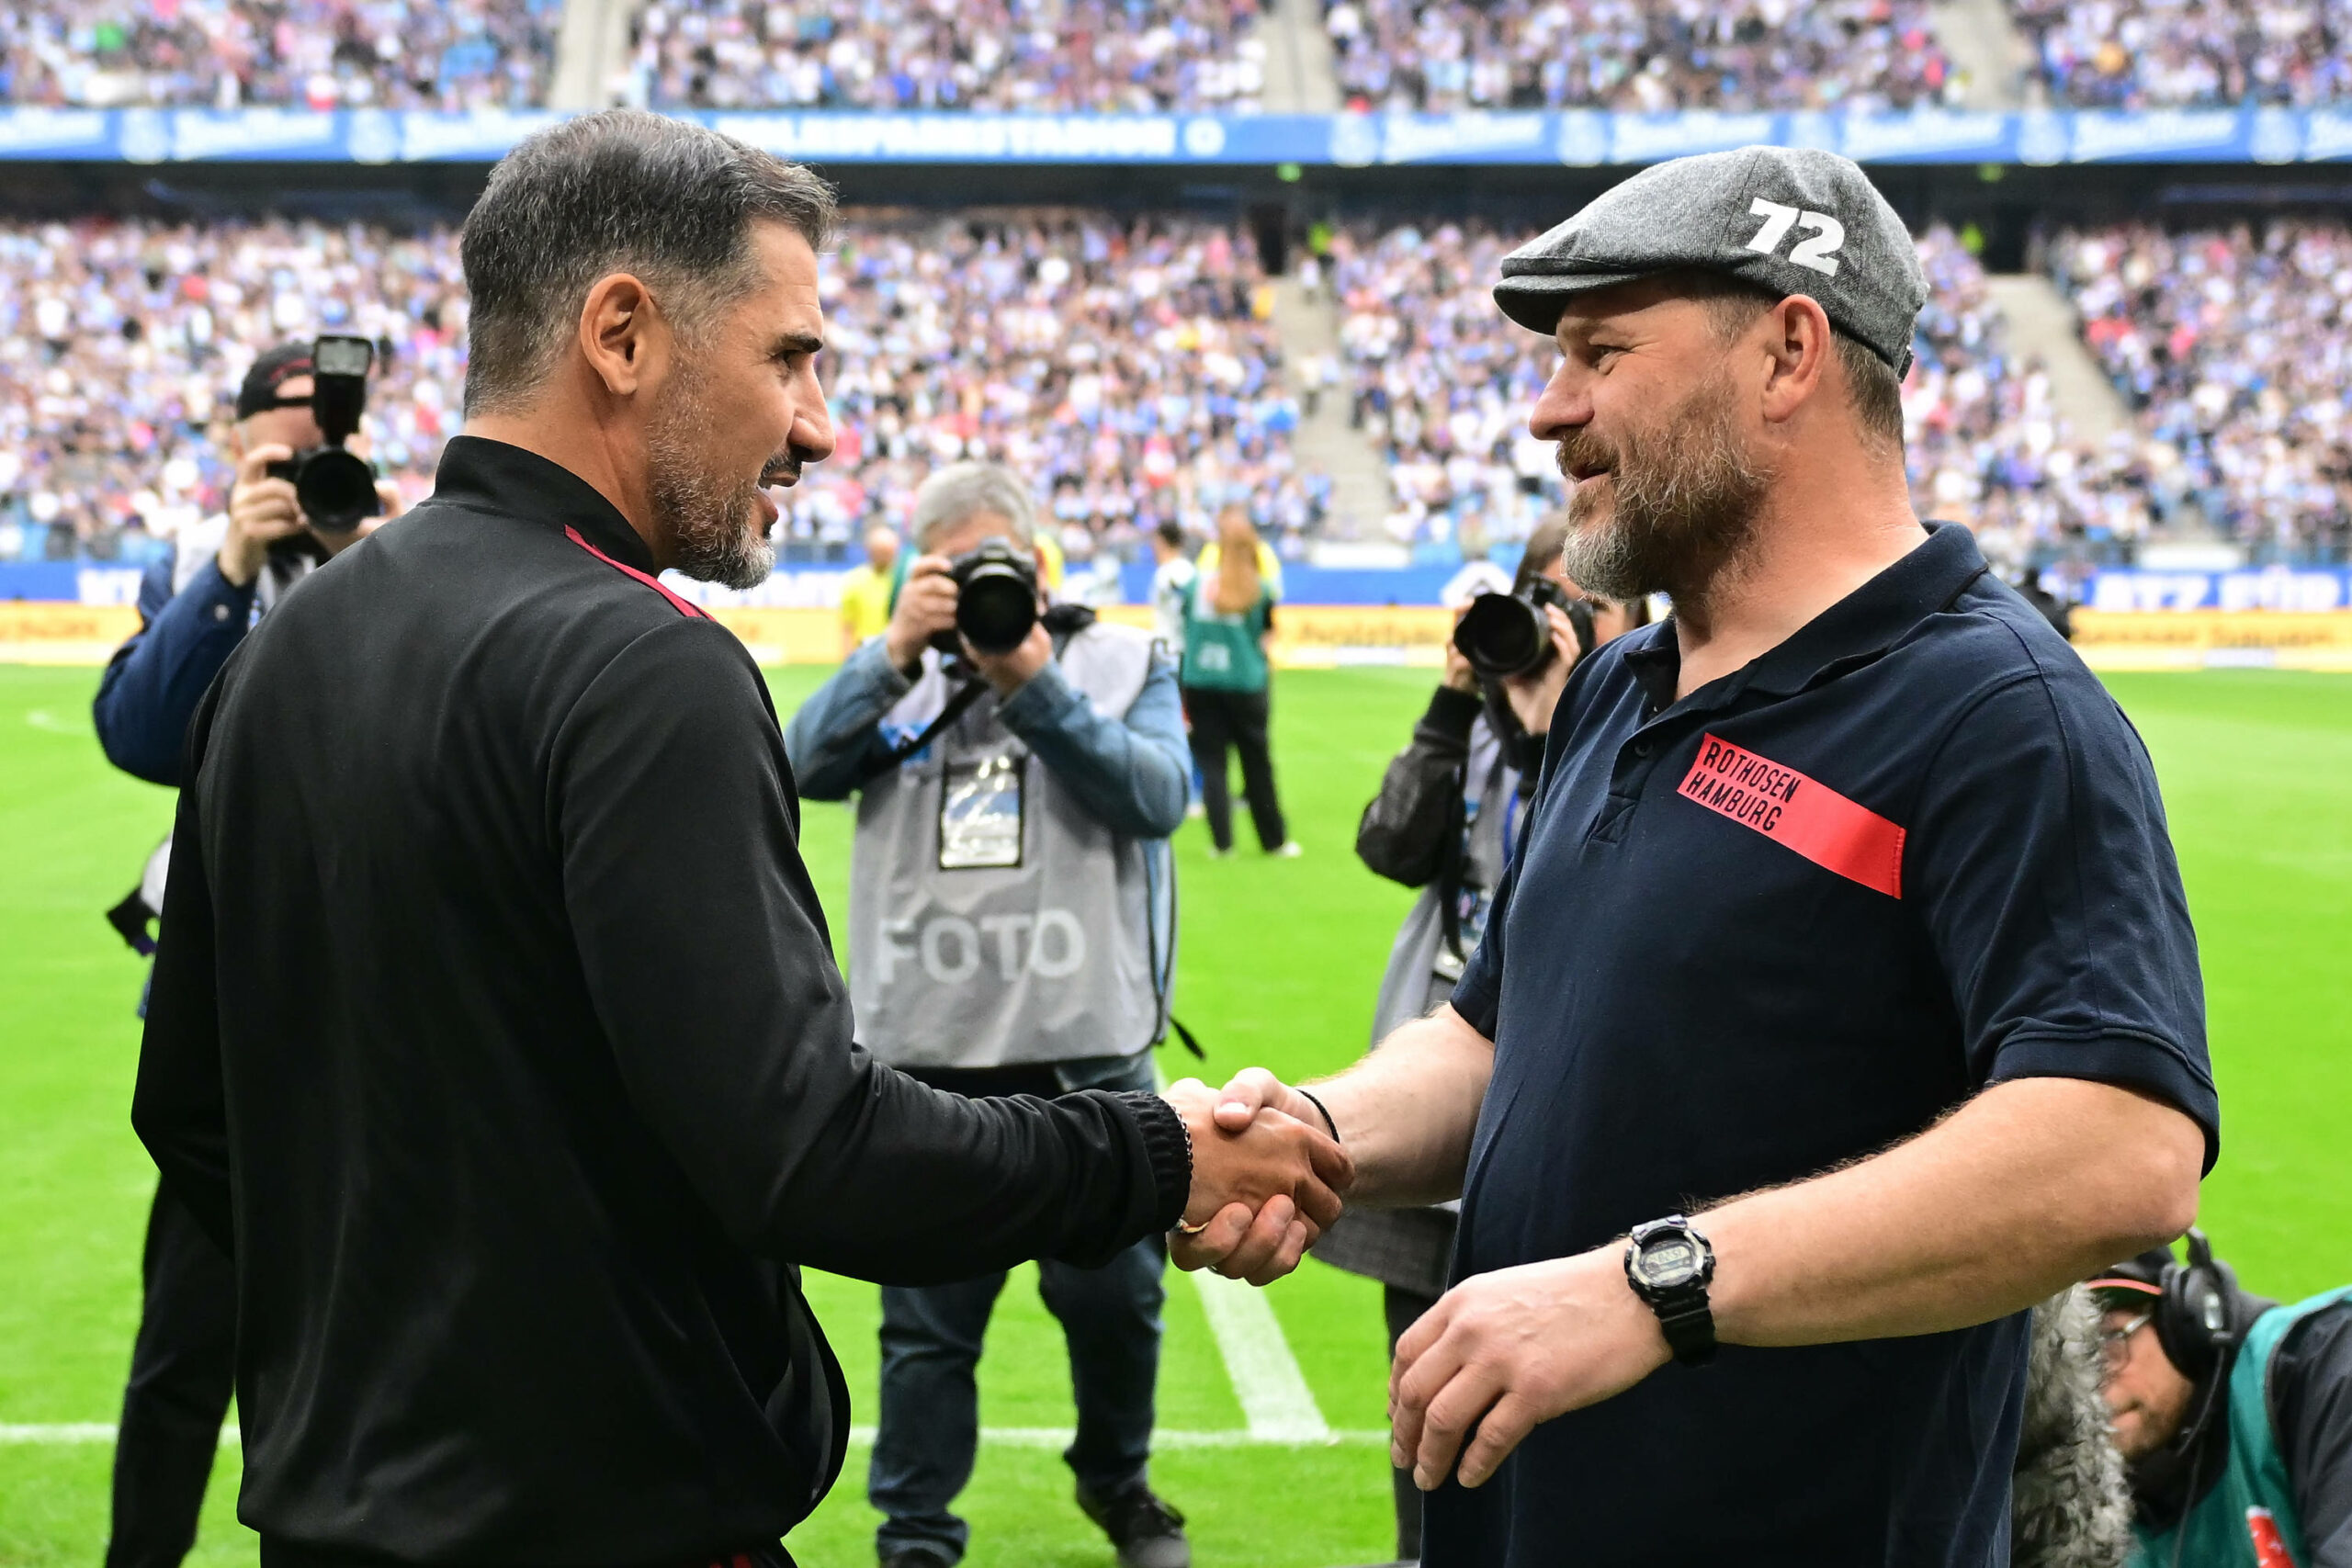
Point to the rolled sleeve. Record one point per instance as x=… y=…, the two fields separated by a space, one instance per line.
x=2045 y=874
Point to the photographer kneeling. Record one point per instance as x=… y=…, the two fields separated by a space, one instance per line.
x=1446 y=820
x=1019 y=769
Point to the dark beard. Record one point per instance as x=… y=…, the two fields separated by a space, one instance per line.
x=1683 y=503
x=705 y=515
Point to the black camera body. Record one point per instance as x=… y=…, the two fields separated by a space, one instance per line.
x=996 y=598
x=335 y=487
x=1503 y=634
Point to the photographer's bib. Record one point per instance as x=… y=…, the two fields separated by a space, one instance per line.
x=994 y=920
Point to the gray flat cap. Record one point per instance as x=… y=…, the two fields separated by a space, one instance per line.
x=1792 y=220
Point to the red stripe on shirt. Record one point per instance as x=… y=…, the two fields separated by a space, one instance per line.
x=684 y=606
x=1806 y=816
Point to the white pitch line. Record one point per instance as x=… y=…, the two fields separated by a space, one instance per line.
x=1275 y=1397
x=70 y=1432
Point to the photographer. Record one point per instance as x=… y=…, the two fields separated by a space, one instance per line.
x=1012 y=932
x=2233 y=1415
x=1445 y=821
x=195 y=607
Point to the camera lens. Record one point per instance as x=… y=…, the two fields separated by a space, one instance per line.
x=995 y=607
x=1502 y=634
x=338 y=491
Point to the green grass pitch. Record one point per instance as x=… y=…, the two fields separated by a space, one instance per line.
x=1279 y=964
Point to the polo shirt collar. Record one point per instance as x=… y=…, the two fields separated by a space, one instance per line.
x=506 y=480
x=1861 y=626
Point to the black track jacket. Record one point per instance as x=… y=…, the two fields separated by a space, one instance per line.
x=496 y=1031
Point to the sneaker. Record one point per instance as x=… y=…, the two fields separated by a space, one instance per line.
x=1147 y=1533
x=1287 y=850
x=1215 y=853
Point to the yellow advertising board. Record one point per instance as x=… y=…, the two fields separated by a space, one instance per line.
x=1321 y=635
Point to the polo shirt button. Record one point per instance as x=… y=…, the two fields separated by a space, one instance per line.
x=1641 y=748
x=220 y=612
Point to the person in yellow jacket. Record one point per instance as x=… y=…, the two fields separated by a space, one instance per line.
x=867 y=589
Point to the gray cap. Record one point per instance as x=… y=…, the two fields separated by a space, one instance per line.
x=1792 y=220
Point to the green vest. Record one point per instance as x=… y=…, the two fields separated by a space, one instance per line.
x=2248 y=1520
x=1221 y=652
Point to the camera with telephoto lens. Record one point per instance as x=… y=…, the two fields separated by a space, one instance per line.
x=335 y=487
x=1503 y=634
x=996 y=598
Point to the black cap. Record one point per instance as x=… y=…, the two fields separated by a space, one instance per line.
x=258 y=394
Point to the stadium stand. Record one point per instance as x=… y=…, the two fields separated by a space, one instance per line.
x=433 y=54
x=1086 y=55
x=1130 y=369
x=2166 y=53
x=1134 y=368
x=1441 y=383
x=121 y=344
x=2235 y=345
x=1645 y=55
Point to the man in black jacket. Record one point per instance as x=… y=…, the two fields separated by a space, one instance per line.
x=496 y=1027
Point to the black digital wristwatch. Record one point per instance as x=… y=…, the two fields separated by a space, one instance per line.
x=1668 y=1264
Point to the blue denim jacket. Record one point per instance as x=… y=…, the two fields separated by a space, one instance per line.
x=1132 y=772
x=152 y=686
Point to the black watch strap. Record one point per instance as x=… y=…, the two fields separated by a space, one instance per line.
x=1690 y=1330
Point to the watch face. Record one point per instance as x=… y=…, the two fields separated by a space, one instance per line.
x=1669 y=1263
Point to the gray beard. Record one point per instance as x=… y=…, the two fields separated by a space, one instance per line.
x=1683 y=504
x=705 y=515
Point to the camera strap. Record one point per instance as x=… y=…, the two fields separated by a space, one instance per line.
x=958 y=705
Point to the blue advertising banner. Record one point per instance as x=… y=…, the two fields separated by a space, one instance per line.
x=1570 y=137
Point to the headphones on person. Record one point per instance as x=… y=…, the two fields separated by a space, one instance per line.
x=2194 y=1322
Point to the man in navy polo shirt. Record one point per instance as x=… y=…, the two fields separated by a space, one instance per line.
x=1846 y=923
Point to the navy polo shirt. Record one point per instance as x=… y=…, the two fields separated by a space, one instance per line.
x=1777 y=925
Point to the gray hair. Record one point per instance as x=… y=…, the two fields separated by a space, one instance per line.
x=623 y=190
x=965 y=489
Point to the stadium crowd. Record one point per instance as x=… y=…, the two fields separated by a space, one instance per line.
x=120 y=345
x=2164 y=53
x=1644 y=55
x=1081 y=55
x=1442 y=383
x=2234 y=345
x=1130 y=370
x=323 y=54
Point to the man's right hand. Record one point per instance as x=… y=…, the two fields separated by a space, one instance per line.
x=1262 y=1191
x=261 y=511
x=926 y=606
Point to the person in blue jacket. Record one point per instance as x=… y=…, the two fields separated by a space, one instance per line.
x=195 y=607
x=2233 y=1415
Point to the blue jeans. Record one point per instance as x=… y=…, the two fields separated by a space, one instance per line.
x=930 y=1343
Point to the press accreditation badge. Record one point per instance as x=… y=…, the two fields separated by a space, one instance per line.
x=979 y=814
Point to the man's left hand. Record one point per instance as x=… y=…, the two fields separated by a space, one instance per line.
x=1502 y=1351
x=1008 y=673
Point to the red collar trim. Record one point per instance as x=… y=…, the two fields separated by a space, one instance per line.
x=684 y=606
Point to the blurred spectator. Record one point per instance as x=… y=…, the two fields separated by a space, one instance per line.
x=1644 y=55
x=121 y=346
x=2235 y=346
x=402 y=54
x=1103 y=56
x=2160 y=53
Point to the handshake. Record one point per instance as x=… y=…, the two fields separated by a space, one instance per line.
x=1267 y=1176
